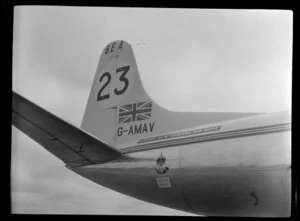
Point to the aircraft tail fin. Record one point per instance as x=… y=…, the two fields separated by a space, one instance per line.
x=119 y=110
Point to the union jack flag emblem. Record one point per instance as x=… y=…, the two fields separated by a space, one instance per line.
x=135 y=112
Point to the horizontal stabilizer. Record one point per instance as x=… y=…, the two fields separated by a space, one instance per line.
x=70 y=144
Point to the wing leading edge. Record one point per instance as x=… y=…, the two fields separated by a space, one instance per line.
x=70 y=144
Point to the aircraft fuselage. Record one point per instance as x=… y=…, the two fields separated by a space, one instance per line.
x=244 y=169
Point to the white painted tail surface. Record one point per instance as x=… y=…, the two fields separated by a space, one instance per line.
x=119 y=110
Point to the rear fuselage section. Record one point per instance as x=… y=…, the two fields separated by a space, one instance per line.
x=235 y=168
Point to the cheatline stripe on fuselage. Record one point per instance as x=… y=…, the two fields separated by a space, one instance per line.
x=210 y=137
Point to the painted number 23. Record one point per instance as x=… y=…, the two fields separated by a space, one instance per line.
x=106 y=76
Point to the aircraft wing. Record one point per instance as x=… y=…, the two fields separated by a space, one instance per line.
x=70 y=144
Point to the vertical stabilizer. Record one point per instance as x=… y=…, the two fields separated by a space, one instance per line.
x=119 y=110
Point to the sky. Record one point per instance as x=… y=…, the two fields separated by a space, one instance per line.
x=189 y=60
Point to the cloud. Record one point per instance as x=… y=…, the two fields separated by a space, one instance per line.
x=206 y=60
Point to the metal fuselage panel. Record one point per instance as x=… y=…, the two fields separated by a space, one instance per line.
x=241 y=176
